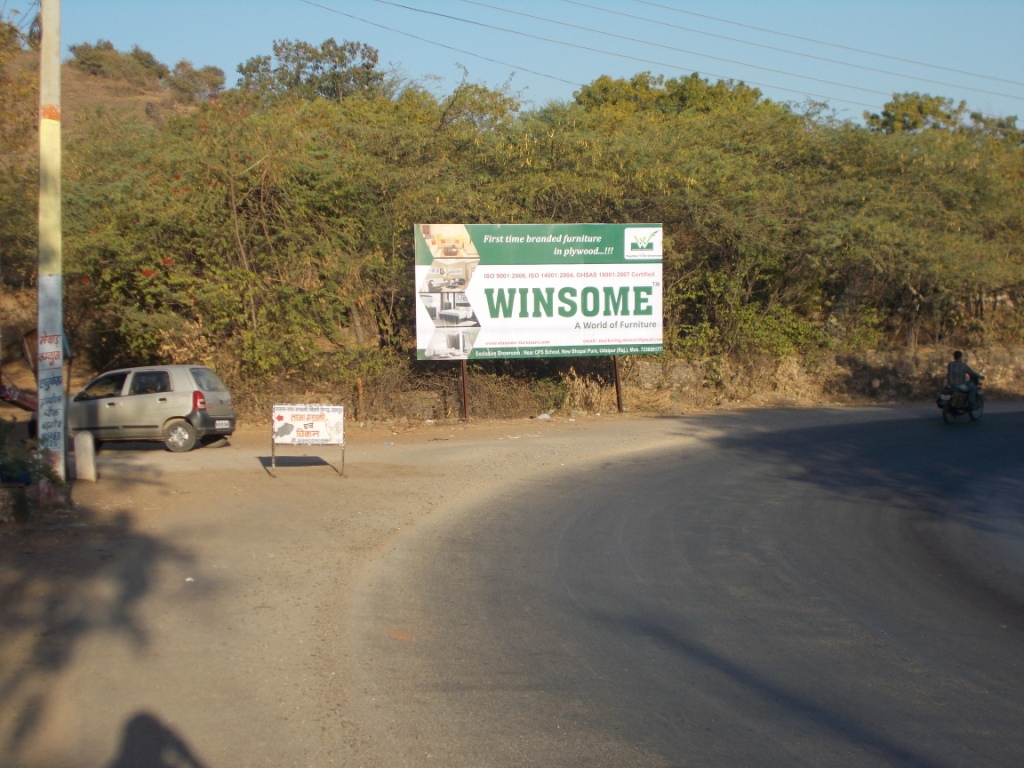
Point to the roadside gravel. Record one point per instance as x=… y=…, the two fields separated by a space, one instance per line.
x=192 y=604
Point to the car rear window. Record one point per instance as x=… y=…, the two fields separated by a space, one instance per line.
x=207 y=380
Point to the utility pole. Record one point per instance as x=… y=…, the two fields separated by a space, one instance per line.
x=50 y=328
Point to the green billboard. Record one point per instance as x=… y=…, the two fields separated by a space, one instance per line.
x=489 y=291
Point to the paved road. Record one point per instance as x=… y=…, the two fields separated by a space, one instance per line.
x=818 y=588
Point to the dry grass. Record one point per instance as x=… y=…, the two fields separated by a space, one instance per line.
x=588 y=394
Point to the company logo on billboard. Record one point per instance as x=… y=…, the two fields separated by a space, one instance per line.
x=643 y=243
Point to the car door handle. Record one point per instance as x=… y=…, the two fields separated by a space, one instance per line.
x=111 y=405
x=161 y=399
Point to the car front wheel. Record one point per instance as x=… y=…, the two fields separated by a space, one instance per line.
x=179 y=436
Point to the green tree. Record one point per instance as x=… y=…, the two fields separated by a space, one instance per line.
x=18 y=90
x=1004 y=128
x=922 y=234
x=328 y=71
x=19 y=176
x=195 y=85
x=645 y=92
x=138 y=67
x=272 y=235
x=912 y=112
x=638 y=93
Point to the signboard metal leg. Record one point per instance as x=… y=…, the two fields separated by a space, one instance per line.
x=465 y=390
x=618 y=383
x=273 y=453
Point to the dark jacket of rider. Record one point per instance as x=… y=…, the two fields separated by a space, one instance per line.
x=958 y=373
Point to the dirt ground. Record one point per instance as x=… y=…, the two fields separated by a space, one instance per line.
x=186 y=608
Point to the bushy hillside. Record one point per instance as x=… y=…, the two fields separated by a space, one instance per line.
x=267 y=229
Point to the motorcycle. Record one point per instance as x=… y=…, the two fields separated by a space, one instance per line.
x=955 y=401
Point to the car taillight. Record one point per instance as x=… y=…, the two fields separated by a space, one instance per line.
x=198 y=401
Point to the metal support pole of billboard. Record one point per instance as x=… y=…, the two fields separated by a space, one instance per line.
x=465 y=390
x=618 y=384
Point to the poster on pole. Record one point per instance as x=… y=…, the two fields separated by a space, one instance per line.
x=494 y=291
x=49 y=363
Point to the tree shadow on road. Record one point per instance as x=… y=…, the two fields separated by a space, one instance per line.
x=148 y=742
x=64 y=577
x=959 y=486
x=918 y=462
x=835 y=727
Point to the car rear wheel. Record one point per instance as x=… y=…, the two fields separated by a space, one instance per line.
x=179 y=436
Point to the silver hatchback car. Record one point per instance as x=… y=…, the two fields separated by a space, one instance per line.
x=178 y=404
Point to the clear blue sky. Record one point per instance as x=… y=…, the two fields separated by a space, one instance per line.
x=792 y=50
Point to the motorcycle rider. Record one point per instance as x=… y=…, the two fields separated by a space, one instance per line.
x=959 y=373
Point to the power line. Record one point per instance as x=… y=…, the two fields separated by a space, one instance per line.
x=439 y=45
x=793 y=53
x=501 y=29
x=673 y=48
x=27 y=17
x=831 y=45
x=604 y=51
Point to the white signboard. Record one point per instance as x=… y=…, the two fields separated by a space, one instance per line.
x=309 y=424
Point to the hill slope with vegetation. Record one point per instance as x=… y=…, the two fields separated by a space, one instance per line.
x=267 y=228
